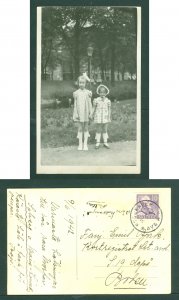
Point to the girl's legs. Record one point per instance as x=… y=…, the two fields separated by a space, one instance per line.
x=86 y=135
x=98 y=136
x=105 y=135
x=80 y=135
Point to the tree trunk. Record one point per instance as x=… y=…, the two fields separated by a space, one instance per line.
x=71 y=70
x=112 y=62
x=42 y=73
x=47 y=59
x=101 y=62
x=45 y=77
x=123 y=71
x=76 y=47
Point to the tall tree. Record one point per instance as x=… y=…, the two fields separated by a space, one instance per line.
x=119 y=31
x=70 y=22
x=112 y=31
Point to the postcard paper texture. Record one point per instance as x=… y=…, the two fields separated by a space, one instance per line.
x=89 y=241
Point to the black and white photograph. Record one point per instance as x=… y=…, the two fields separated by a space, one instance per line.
x=88 y=97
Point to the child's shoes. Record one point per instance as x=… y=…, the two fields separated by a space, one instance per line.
x=97 y=145
x=106 y=145
x=80 y=147
x=85 y=148
x=105 y=138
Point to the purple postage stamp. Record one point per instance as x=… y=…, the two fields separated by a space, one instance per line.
x=147 y=206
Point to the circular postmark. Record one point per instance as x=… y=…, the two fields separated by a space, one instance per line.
x=146 y=216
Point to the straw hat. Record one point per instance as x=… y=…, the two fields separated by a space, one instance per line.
x=103 y=87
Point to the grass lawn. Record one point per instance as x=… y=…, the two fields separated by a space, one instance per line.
x=58 y=128
x=57 y=89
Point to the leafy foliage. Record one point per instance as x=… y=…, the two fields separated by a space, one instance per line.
x=67 y=31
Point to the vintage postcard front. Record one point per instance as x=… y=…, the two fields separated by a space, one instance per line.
x=89 y=241
x=88 y=100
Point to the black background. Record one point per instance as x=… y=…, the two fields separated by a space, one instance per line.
x=144 y=4
x=95 y=181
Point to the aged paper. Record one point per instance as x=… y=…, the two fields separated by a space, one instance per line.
x=89 y=241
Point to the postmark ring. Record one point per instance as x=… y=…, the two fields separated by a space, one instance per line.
x=143 y=222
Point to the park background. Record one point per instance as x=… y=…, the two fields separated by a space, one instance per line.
x=101 y=41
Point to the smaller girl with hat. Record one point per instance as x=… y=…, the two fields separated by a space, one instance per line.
x=102 y=115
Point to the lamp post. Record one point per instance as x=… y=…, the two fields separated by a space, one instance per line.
x=90 y=53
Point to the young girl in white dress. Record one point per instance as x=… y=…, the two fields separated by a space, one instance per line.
x=102 y=115
x=82 y=112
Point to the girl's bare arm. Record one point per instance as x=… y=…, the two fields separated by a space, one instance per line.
x=109 y=112
x=75 y=110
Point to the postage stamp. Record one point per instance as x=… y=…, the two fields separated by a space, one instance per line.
x=146 y=215
x=147 y=206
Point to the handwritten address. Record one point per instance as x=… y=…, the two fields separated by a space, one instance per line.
x=60 y=244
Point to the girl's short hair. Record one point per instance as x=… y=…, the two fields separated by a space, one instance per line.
x=81 y=78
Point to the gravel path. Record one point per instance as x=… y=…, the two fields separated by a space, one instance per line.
x=119 y=154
